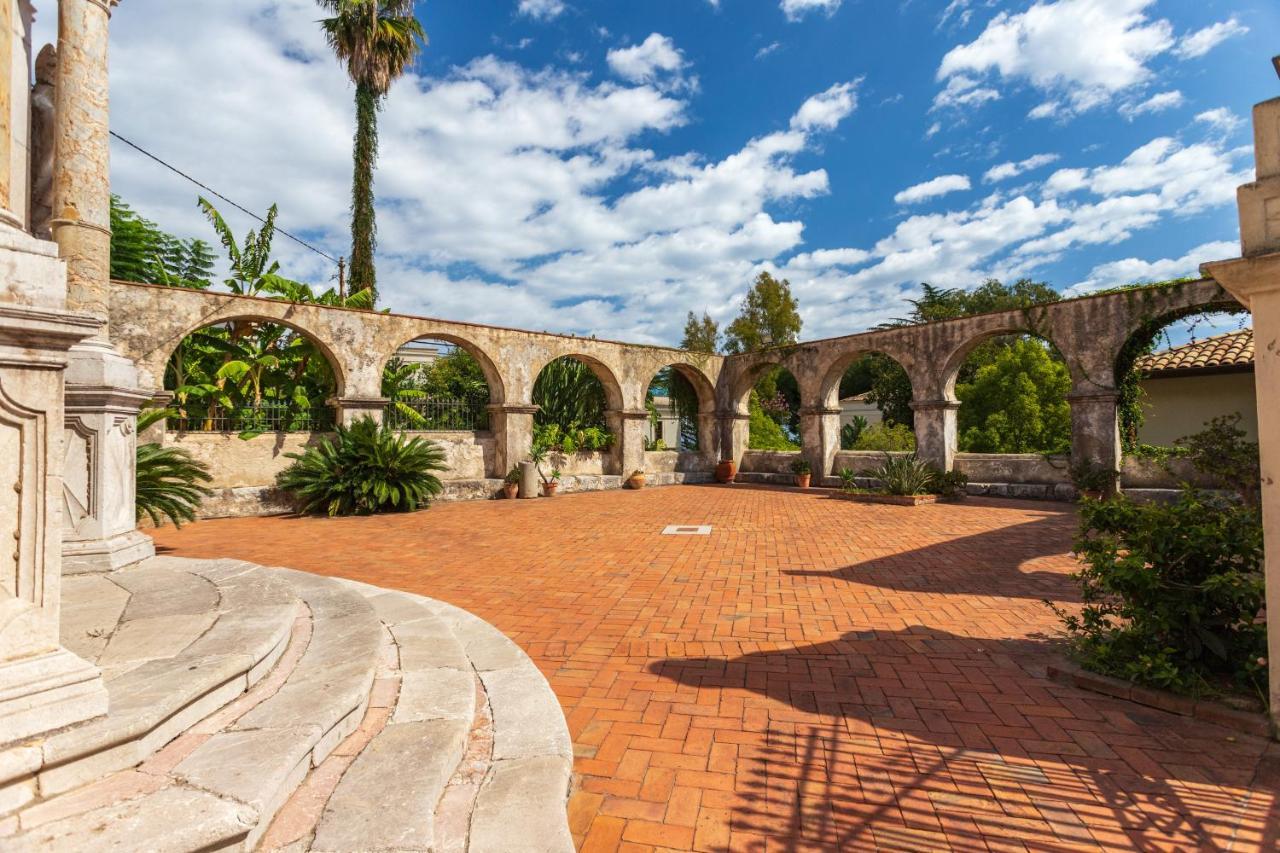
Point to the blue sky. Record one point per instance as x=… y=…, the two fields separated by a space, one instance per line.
x=605 y=167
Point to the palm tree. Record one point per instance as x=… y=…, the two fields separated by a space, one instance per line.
x=377 y=40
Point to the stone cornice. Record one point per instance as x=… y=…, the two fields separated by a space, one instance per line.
x=1245 y=278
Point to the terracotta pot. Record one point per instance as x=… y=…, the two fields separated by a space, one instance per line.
x=549 y=489
x=726 y=471
x=802 y=480
x=635 y=481
x=510 y=490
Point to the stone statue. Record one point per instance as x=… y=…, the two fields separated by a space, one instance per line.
x=42 y=141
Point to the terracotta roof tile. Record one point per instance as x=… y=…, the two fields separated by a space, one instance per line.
x=1232 y=350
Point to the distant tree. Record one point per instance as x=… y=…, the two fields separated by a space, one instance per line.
x=701 y=335
x=1016 y=403
x=377 y=40
x=769 y=317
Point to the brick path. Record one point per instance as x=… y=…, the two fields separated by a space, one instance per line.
x=814 y=675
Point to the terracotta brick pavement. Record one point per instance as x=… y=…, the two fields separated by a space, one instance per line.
x=814 y=675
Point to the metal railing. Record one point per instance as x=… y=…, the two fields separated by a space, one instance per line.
x=439 y=413
x=268 y=417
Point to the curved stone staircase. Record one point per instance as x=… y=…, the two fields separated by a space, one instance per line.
x=270 y=709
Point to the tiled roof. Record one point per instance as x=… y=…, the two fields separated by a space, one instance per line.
x=1233 y=350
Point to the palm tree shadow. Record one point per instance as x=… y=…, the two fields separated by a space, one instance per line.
x=997 y=562
x=920 y=739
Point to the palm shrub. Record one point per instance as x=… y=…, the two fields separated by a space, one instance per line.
x=906 y=475
x=169 y=482
x=364 y=469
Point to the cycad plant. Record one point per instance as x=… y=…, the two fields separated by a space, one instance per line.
x=170 y=483
x=365 y=468
x=377 y=40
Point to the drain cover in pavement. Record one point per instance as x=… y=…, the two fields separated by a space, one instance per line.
x=687 y=530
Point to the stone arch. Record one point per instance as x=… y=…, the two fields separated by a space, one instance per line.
x=492 y=375
x=960 y=352
x=608 y=376
x=159 y=372
x=703 y=418
x=154 y=365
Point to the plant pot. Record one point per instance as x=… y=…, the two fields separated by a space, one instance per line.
x=510 y=490
x=549 y=489
x=726 y=471
x=802 y=480
x=635 y=481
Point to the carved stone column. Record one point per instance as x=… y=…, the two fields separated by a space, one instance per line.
x=102 y=397
x=1254 y=279
x=820 y=436
x=12 y=122
x=936 y=431
x=512 y=427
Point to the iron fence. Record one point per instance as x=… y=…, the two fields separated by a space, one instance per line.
x=439 y=413
x=267 y=417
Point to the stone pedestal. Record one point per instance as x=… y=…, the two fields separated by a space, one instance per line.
x=935 y=428
x=100 y=465
x=1095 y=431
x=512 y=427
x=820 y=437
x=42 y=685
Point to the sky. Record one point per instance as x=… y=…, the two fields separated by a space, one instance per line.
x=606 y=167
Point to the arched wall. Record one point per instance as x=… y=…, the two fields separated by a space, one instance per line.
x=492 y=376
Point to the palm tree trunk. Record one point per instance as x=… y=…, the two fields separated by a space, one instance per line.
x=363 y=225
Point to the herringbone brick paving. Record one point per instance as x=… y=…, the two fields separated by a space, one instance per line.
x=814 y=675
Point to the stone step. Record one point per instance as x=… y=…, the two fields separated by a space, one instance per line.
x=176 y=641
x=479 y=725
x=225 y=776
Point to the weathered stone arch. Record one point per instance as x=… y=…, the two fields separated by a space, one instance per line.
x=955 y=359
x=492 y=375
x=606 y=373
x=838 y=363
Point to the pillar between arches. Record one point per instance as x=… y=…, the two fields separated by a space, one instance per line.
x=935 y=428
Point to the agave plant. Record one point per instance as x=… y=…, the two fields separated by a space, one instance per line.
x=170 y=483
x=365 y=468
x=906 y=475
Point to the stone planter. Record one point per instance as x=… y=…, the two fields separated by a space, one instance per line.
x=510 y=490
x=802 y=480
x=635 y=481
x=726 y=471
x=549 y=489
x=895 y=500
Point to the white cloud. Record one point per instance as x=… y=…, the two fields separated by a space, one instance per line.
x=939 y=186
x=655 y=60
x=797 y=9
x=1157 y=103
x=1220 y=119
x=1082 y=52
x=962 y=91
x=772 y=47
x=1138 y=271
x=826 y=110
x=541 y=10
x=1202 y=41
x=1004 y=171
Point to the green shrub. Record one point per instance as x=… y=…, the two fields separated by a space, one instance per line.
x=951 y=484
x=170 y=484
x=801 y=466
x=906 y=475
x=848 y=479
x=365 y=468
x=765 y=433
x=1220 y=452
x=1171 y=593
x=852 y=431
x=886 y=437
x=572 y=439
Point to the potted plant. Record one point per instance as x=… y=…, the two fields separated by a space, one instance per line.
x=726 y=471
x=550 y=484
x=1093 y=481
x=803 y=472
x=636 y=480
x=511 y=483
